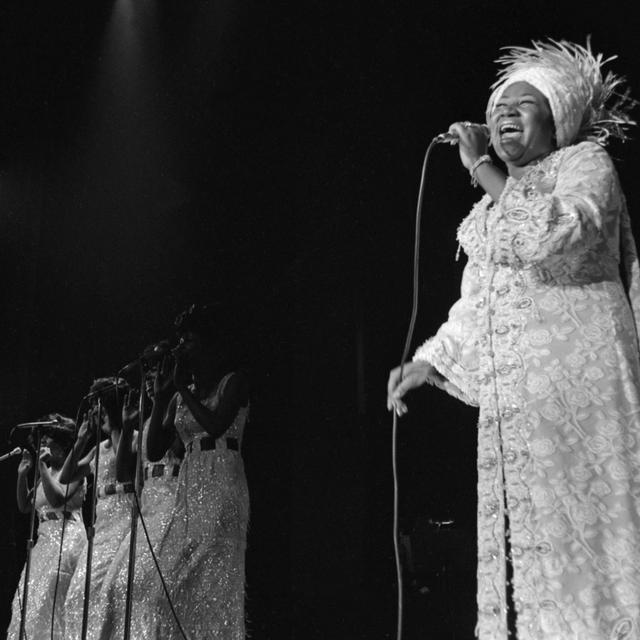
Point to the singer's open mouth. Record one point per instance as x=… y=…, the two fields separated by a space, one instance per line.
x=509 y=130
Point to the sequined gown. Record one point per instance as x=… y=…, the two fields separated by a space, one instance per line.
x=113 y=516
x=158 y=496
x=203 y=551
x=44 y=568
x=544 y=340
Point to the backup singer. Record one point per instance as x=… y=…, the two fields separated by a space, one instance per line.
x=203 y=550
x=58 y=506
x=544 y=339
x=160 y=481
x=113 y=510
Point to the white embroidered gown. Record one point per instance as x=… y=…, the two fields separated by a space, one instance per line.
x=44 y=568
x=203 y=550
x=544 y=340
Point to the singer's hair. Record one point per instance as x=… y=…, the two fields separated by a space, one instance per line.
x=218 y=326
x=63 y=432
x=112 y=392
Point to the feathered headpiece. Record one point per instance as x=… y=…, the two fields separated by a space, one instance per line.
x=585 y=106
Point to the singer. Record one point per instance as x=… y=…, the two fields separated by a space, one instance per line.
x=113 y=509
x=202 y=553
x=160 y=481
x=57 y=505
x=544 y=340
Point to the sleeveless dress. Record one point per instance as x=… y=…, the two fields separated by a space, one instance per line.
x=44 y=567
x=203 y=550
x=113 y=511
x=544 y=339
x=158 y=496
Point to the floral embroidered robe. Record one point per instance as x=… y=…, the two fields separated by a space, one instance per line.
x=544 y=340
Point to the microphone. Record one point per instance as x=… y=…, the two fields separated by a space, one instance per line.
x=150 y=355
x=452 y=138
x=16 y=452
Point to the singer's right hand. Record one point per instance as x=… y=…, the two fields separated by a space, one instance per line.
x=473 y=141
x=130 y=411
x=414 y=375
x=163 y=381
x=25 y=462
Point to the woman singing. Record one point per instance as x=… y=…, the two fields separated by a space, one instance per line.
x=59 y=514
x=158 y=497
x=113 y=510
x=203 y=549
x=544 y=339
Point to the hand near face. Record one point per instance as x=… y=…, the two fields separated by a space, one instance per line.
x=45 y=455
x=473 y=141
x=130 y=411
x=181 y=374
x=163 y=383
x=25 y=462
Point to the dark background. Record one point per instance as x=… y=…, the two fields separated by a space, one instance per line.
x=154 y=153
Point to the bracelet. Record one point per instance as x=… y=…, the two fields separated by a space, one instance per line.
x=472 y=171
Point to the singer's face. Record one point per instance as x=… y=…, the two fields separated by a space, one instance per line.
x=522 y=128
x=56 y=452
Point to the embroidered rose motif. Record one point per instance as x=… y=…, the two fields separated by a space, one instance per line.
x=538 y=383
x=593 y=373
x=552 y=412
x=618 y=470
x=609 y=428
x=584 y=514
x=578 y=397
x=542 y=447
x=575 y=360
x=539 y=337
x=557 y=528
x=598 y=444
x=551 y=302
x=600 y=488
x=591 y=332
x=580 y=473
x=542 y=498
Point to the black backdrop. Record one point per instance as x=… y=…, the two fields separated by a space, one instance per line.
x=159 y=152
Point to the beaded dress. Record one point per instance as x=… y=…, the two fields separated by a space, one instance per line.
x=113 y=516
x=158 y=496
x=544 y=340
x=203 y=551
x=44 y=567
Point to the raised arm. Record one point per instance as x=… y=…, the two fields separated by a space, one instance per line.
x=215 y=421
x=24 y=495
x=76 y=465
x=161 y=432
x=127 y=445
x=57 y=493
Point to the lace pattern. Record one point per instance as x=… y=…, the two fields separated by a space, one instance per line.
x=544 y=339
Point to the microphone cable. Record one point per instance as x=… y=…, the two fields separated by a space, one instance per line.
x=405 y=355
x=155 y=561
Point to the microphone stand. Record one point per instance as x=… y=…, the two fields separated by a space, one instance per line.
x=30 y=541
x=135 y=505
x=91 y=529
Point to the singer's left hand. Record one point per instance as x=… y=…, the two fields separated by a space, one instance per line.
x=181 y=375
x=472 y=141
x=45 y=455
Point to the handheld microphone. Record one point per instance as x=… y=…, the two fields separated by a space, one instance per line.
x=150 y=355
x=16 y=452
x=452 y=138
